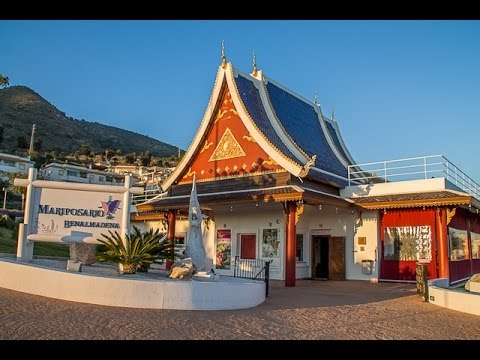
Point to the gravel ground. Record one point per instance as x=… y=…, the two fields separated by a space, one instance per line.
x=311 y=310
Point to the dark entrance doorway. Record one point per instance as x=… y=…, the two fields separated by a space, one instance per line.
x=319 y=257
x=328 y=257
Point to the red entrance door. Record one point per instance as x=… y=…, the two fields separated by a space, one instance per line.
x=248 y=244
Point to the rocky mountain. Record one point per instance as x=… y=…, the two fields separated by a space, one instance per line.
x=21 y=107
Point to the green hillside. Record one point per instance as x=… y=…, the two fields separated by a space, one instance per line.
x=21 y=107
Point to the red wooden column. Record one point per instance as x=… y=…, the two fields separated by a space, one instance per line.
x=290 y=245
x=171 y=234
x=442 y=243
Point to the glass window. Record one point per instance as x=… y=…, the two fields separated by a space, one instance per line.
x=300 y=248
x=61 y=172
x=109 y=179
x=408 y=243
x=21 y=166
x=101 y=178
x=475 y=245
x=83 y=175
x=458 y=244
x=92 y=177
x=72 y=173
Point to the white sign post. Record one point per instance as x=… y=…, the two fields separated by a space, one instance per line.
x=62 y=212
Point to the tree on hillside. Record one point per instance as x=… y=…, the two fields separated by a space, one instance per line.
x=145 y=158
x=37 y=144
x=17 y=189
x=130 y=158
x=2 y=129
x=22 y=143
x=108 y=154
x=85 y=150
x=4 y=81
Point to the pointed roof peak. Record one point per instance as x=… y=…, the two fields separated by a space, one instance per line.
x=224 y=57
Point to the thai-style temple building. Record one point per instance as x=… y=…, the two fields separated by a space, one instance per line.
x=278 y=183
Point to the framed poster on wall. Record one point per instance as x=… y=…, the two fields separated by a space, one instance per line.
x=408 y=243
x=224 y=249
x=271 y=247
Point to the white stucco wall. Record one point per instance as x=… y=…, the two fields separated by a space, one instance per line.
x=397 y=187
x=330 y=220
x=455 y=299
x=225 y=294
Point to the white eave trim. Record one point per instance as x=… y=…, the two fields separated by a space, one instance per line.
x=326 y=133
x=281 y=132
x=342 y=143
x=201 y=130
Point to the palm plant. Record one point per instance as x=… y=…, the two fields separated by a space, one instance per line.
x=134 y=250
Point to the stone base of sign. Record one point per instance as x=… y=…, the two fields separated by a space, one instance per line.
x=85 y=253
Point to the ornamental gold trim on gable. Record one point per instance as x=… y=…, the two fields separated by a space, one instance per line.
x=249 y=137
x=206 y=146
x=270 y=161
x=227 y=148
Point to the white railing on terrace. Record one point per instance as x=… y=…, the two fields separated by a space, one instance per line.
x=423 y=167
x=147 y=195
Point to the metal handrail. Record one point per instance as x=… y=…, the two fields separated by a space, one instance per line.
x=147 y=195
x=385 y=172
x=255 y=269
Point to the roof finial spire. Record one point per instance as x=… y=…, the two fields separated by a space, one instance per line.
x=315 y=99
x=332 y=115
x=224 y=57
x=254 y=65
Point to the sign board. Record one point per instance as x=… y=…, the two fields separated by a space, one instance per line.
x=65 y=212
x=73 y=212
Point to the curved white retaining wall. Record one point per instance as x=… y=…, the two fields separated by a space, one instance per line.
x=467 y=302
x=225 y=294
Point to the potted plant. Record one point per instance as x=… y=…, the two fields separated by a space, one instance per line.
x=134 y=250
x=162 y=251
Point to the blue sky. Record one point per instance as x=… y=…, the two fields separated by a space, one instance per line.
x=399 y=88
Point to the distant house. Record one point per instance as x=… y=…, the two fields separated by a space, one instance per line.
x=79 y=174
x=14 y=164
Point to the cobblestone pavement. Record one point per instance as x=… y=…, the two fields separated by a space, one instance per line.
x=311 y=310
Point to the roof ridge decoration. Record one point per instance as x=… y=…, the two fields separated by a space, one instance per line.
x=306 y=168
x=224 y=57
x=254 y=72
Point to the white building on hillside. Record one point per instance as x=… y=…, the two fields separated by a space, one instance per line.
x=12 y=164
x=79 y=174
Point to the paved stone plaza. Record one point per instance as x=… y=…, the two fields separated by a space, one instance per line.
x=311 y=310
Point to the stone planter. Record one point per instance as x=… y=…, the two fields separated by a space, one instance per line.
x=84 y=253
x=127 y=268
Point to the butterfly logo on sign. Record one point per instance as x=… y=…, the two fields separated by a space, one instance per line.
x=110 y=207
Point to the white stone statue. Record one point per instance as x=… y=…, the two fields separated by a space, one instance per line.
x=195 y=249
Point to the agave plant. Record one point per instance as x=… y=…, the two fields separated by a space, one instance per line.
x=136 y=249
